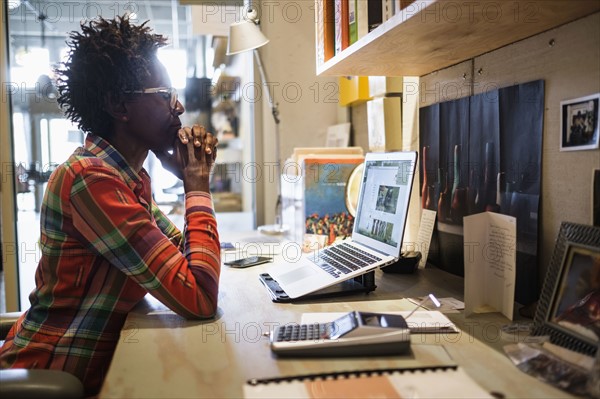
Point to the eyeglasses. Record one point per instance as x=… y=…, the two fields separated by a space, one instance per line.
x=168 y=93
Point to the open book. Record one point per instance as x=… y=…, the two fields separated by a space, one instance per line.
x=427 y=382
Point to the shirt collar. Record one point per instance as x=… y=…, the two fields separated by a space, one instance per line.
x=102 y=149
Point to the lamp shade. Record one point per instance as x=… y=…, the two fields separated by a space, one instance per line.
x=244 y=36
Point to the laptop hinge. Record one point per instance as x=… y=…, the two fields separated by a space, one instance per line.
x=364 y=283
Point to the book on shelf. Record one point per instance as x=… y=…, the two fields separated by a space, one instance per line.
x=320 y=32
x=342 y=25
x=420 y=382
x=338 y=25
x=374 y=14
x=387 y=9
x=352 y=22
x=345 y=23
x=325 y=30
x=362 y=18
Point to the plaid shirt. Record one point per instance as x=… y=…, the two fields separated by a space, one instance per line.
x=105 y=244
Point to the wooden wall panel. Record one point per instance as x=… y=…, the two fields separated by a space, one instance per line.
x=446 y=84
x=568 y=60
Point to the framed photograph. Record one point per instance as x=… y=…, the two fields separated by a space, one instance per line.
x=569 y=308
x=579 y=123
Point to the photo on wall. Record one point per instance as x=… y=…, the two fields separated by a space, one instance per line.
x=579 y=123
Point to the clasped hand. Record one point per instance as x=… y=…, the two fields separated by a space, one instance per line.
x=193 y=156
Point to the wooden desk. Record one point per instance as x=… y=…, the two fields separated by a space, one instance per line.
x=163 y=355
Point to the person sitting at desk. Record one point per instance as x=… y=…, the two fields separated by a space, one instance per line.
x=105 y=244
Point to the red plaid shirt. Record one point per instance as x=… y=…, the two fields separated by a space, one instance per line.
x=105 y=244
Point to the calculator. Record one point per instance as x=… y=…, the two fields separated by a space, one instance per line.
x=354 y=334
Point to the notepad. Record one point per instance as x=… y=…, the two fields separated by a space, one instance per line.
x=420 y=322
x=427 y=382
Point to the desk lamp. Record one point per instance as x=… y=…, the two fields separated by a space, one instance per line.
x=243 y=36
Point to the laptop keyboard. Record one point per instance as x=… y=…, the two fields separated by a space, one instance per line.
x=343 y=259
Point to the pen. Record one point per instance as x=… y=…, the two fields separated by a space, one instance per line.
x=420 y=304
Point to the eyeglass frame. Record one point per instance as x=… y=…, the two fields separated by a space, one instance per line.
x=163 y=90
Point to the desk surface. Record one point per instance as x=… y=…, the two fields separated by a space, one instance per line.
x=161 y=354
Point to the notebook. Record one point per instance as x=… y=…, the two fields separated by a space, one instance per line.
x=376 y=236
x=425 y=382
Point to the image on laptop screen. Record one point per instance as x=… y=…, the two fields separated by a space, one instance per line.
x=383 y=205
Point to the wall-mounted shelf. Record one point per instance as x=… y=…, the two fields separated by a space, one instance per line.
x=430 y=35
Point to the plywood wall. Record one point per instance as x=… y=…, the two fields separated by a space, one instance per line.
x=567 y=58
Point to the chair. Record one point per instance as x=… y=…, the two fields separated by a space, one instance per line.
x=23 y=383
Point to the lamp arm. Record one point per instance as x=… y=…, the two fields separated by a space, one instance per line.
x=263 y=76
x=275 y=113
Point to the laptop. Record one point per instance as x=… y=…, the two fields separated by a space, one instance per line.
x=376 y=236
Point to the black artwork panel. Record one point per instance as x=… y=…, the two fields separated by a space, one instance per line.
x=429 y=156
x=487 y=151
x=484 y=154
x=521 y=127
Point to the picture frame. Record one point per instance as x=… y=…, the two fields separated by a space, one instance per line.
x=579 y=123
x=570 y=299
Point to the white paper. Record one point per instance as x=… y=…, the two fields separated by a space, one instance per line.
x=338 y=135
x=490 y=263
x=421 y=321
x=424 y=237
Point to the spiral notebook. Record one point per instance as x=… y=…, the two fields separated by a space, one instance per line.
x=425 y=382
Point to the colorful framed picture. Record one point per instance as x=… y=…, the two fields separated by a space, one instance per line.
x=569 y=308
x=579 y=123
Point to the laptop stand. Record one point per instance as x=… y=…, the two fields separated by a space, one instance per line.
x=363 y=283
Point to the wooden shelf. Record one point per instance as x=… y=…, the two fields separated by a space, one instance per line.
x=431 y=35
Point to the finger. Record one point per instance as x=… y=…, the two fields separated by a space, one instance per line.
x=183 y=135
x=191 y=150
x=210 y=143
x=198 y=133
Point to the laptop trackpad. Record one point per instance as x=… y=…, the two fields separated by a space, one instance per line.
x=295 y=275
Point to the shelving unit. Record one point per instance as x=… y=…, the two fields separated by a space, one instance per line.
x=430 y=35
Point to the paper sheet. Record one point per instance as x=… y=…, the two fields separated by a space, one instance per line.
x=338 y=135
x=490 y=263
x=425 y=233
x=420 y=322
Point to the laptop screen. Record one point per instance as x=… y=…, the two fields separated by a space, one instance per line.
x=383 y=200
